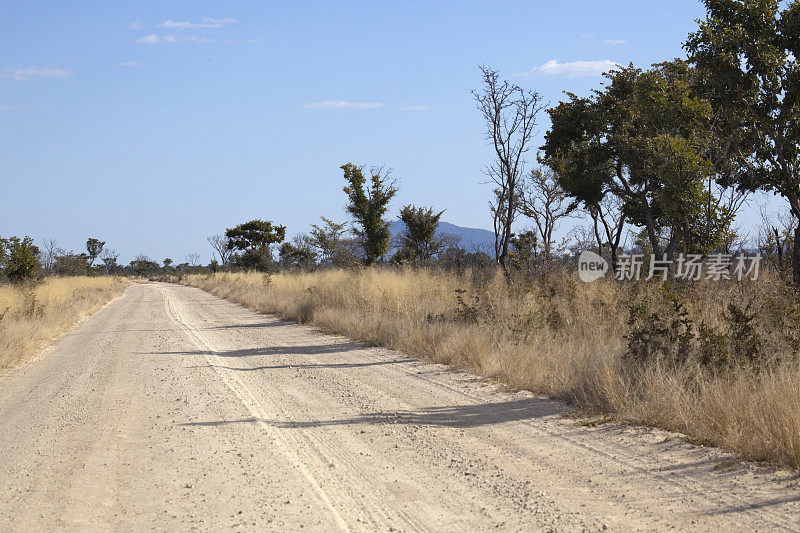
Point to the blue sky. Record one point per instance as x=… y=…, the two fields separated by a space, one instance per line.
x=155 y=124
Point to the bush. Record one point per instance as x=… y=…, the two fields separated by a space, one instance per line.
x=19 y=258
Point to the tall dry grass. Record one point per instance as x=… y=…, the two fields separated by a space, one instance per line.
x=557 y=336
x=32 y=315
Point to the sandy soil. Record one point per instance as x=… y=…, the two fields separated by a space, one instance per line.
x=173 y=409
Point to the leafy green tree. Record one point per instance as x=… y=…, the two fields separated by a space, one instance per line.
x=748 y=50
x=645 y=138
x=419 y=239
x=524 y=248
x=253 y=239
x=328 y=238
x=143 y=265
x=71 y=264
x=298 y=254
x=94 y=247
x=368 y=207
x=19 y=258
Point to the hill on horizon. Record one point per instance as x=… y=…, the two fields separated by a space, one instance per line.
x=472 y=239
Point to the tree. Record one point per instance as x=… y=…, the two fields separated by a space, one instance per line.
x=748 y=52
x=193 y=258
x=647 y=139
x=608 y=215
x=298 y=253
x=510 y=115
x=254 y=239
x=71 y=264
x=142 y=265
x=329 y=240
x=49 y=250
x=18 y=257
x=94 y=247
x=419 y=241
x=524 y=248
x=546 y=202
x=109 y=258
x=368 y=207
x=220 y=244
x=167 y=262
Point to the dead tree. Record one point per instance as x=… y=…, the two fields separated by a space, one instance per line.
x=546 y=203
x=221 y=245
x=510 y=114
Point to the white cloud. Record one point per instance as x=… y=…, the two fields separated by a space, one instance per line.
x=417 y=108
x=9 y=108
x=171 y=38
x=615 y=41
x=205 y=23
x=25 y=73
x=135 y=26
x=130 y=64
x=573 y=68
x=339 y=104
x=148 y=39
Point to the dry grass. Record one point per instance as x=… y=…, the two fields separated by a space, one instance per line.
x=562 y=338
x=31 y=316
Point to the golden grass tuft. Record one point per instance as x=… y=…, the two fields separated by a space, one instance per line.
x=33 y=315
x=559 y=337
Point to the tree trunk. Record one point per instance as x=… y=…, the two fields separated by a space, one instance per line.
x=796 y=259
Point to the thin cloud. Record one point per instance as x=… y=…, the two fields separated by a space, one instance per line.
x=135 y=26
x=417 y=108
x=209 y=20
x=340 y=104
x=171 y=38
x=10 y=108
x=205 y=23
x=615 y=41
x=573 y=68
x=130 y=64
x=26 y=73
x=149 y=39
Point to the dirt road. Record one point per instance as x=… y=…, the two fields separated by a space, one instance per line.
x=173 y=409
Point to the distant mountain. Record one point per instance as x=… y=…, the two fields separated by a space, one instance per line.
x=472 y=239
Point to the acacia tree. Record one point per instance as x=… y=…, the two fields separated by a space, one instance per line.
x=368 y=207
x=748 y=52
x=510 y=115
x=254 y=239
x=94 y=247
x=419 y=239
x=546 y=203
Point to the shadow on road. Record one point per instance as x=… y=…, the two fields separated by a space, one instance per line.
x=274 y=350
x=455 y=416
x=308 y=365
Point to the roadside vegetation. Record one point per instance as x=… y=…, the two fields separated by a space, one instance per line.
x=45 y=290
x=34 y=313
